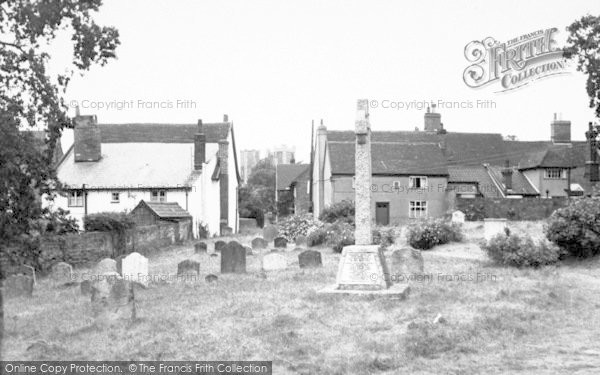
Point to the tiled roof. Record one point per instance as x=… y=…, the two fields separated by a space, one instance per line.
x=129 y=165
x=287 y=173
x=165 y=210
x=391 y=158
x=528 y=154
x=520 y=184
x=161 y=133
x=465 y=174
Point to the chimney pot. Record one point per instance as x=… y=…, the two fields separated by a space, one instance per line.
x=225 y=118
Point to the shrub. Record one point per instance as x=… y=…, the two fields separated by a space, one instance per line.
x=316 y=237
x=429 y=233
x=576 y=228
x=521 y=251
x=340 y=234
x=298 y=225
x=341 y=211
x=383 y=236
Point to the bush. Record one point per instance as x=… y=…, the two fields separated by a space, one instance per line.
x=383 y=236
x=340 y=234
x=429 y=233
x=108 y=222
x=298 y=225
x=521 y=251
x=341 y=211
x=576 y=228
x=316 y=237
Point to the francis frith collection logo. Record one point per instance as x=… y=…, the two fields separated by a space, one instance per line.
x=515 y=63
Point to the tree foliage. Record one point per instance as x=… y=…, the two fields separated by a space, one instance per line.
x=30 y=97
x=258 y=196
x=583 y=44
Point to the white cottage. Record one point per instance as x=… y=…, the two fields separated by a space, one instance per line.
x=112 y=167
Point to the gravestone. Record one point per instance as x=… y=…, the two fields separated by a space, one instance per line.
x=17 y=286
x=404 y=263
x=280 y=243
x=492 y=227
x=112 y=299
x=220 y=245
x=274 y=262
x=310 y=259
x=135 y=268
x=362 y=268
x=85 y=287
x=200 y=247
x=458 y=217
x=270 y=232
x=233 y=258
x=259 y=243
x=62 y=272
x=301 y=240
x=26 y=270
x=188 y=267
x=211 y=278
x=248 y=250
x=104 y=266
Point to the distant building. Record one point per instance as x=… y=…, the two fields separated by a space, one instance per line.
x=293 y=188
x=248 y=160
x=283 y=155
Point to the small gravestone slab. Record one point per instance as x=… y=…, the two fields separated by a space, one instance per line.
x=405 y=262
x=62 y=272
x=310 y=259
x=135 y=268
x=280 y=243
x=18 y=286
x=105 y=265
x=200 y=247
x=188 y=268
x=301 y=240
x=213 y=255
x=259 y=243
x=274 y=262
x=248 y=250
x=26 y=270
x=211 y=278
x=233 y=258
x=458 y=217
x=270 y=232
x=85 y=287
x=220 y=245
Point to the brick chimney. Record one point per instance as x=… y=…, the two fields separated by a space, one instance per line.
x=433 y=120
x=507 y=173
x=87 y=139
x=560 y=130
x=199 y=147
x=591 y=165
x=223 y=155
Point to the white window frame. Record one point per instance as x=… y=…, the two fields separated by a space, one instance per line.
x=417 y=209
x=422 y=179
x=75 y=198
x=550 y=174
x=112 y=197
x=158 y=196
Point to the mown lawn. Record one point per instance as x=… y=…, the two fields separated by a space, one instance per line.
x=509 y=321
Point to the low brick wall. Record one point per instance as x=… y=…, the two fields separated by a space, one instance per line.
x=512 y=209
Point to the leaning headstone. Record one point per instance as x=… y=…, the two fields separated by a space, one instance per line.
x=274 y=262
x=492 y=227
x=270 y=232
x=310 y=259
x=404 y=263
x=301 y=240
x=458 y=217
x=17 y=286
x=200 y=247
x=188 y=268
x=104 y=266
x=233 y=258
x=62 y=272
x=135 y=268
x=220 y=245
x=280 y=243
x=259 y=243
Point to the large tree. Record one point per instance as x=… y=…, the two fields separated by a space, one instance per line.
x=583 y=44
x=30 y=97
x=258 y=196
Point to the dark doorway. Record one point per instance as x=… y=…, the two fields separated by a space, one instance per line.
x=382 y=213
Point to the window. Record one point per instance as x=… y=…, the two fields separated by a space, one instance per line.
x=158 y=196
x=555 y=173
x=417 y=209
x=417 y=182
x=308 y=187
x=114 y=197
x=76 y=198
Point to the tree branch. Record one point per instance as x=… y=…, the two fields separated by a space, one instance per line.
x=14 y=45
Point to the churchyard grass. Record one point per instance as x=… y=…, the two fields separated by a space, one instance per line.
x=494 y=319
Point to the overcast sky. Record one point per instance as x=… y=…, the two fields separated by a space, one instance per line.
x=273 y=66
